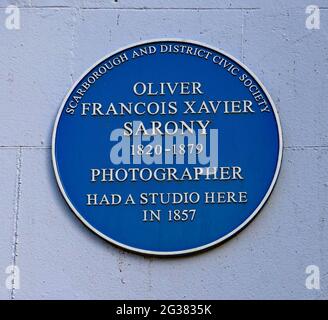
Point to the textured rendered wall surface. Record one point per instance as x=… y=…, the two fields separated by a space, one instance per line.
x=56 y=255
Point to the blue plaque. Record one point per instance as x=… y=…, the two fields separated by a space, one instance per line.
x=167 y=147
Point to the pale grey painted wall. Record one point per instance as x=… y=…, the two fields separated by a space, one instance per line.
x=57 y=256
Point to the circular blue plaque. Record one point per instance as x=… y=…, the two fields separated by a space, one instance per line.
x=167 y=147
